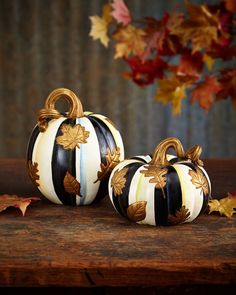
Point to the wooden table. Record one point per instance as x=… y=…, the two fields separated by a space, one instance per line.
x=90 y=246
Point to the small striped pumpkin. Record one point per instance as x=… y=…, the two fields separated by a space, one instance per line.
x=162 y=190
x=70 y=156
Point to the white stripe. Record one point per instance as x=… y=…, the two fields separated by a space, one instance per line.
x=192 y=198
x=88 y=160
x=142 y=190
x=146 y=158
x=115 y=133
x=42 y=154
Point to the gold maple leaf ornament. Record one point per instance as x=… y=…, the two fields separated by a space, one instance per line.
x=157 y=174
x=72 y=136
x=199 y=180
x=118 y=181
x=112 y=159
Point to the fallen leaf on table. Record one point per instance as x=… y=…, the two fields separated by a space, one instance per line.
x=224 y=206
x=16 y=201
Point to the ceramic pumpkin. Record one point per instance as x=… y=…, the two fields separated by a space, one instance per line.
x=70 y=156
x=161 y=190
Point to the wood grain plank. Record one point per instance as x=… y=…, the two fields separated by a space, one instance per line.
x=93 y=246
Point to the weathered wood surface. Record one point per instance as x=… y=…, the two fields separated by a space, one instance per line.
x=57 y=245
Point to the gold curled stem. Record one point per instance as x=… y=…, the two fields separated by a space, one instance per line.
x=159 y=155
x=49 y=112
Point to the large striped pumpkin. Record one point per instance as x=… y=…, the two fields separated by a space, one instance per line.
x=71 y=156
x=163 y=189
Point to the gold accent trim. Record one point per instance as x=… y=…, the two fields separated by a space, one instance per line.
x=49 y=112
x=199 y=180
x=194 y=154
x=33 y=172
x=112 y=159
x=159 y=155
x=157 y=174
x=71 y=185
x=180 y=216
x=72 y=136
x=137 y=211
x=118 y=181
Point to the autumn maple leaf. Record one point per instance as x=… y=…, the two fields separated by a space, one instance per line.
x=16 y=201
x=171 y=90
x=201 y=28
x=120 y=12
x=205 y=92
x=228 y=82
x=130 y=40
x=190 y=64
x=224 y=206
x=230 y=5
x=99 y=29
x=145 y=72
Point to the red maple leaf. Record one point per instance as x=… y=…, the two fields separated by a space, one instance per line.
x=121 y=12
x=205 y=92
x=144 y=73
x=191 y=64
x=228 y=82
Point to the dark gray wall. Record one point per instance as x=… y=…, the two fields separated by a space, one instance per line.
x=45 y=44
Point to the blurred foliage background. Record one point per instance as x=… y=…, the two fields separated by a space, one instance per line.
x=46 y=44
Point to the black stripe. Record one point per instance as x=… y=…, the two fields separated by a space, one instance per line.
x=105 y=141
x=31 y=142
x=161 y=207
x=104 y=135
x=102 y=191
x=206 y=197
x=140 y=159
x=63 y=161
x=174 y=193
x=122 y=202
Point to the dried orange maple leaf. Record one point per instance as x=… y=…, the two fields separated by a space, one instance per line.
x=228 y=81
x=16 y=201
x=171 y=90
x=130 y=40
x=205 y=92
x=121 y=12
x=230 y=5
x=190 y=64
x=224 y=206
x=201 y=28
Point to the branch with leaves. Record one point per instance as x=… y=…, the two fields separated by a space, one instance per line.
x=185 y=54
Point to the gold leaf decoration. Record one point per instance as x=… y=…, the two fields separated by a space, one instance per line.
x=112 y=159
x=199 y=180
x=72 y=136
x=158 y=174
x=193 y=154
x=180 y=216
x=137 y=211
x=71 y=185
x=33 y=172
x=118 y=181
